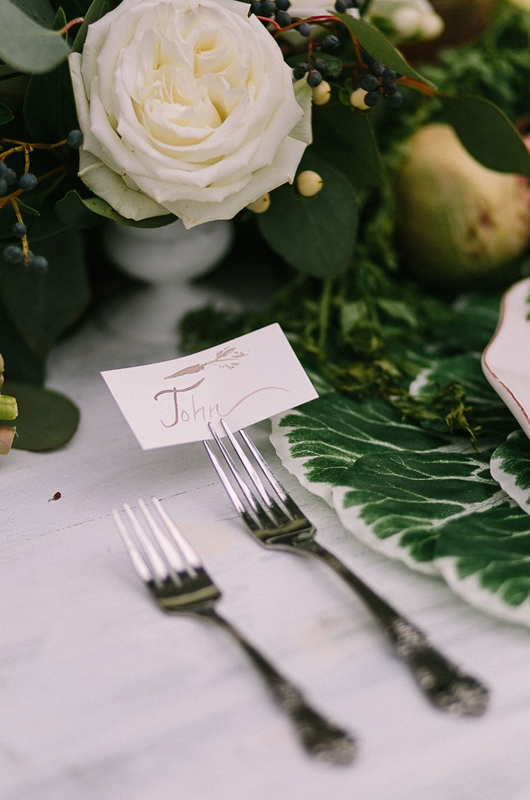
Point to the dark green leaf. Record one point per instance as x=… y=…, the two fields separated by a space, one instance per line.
x=6 y=115
x=487 y=134
x=39 y=10
x=379 y=47
x=51 y=91
x=27 y=46
x=74 y=213
x=46 y=419
x=99 y=206
x=315 y=235
x=346 y=139
x=98 y=9
x=42 y=306
x=21 y=363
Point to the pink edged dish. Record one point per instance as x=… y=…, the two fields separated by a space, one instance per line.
x=506 y=359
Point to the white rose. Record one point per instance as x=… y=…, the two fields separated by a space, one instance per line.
x=186 y=107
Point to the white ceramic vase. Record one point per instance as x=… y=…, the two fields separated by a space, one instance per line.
x=167 y=259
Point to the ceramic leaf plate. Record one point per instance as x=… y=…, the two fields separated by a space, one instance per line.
x=506 y=360
x=419 y=495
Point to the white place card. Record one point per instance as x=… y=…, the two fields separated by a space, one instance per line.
x=243 y=381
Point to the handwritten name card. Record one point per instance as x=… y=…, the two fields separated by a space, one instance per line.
x=244 y=381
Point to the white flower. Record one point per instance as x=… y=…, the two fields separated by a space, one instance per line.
x=186 y=107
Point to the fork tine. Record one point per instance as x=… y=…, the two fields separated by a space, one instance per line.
x=170 y=552
x=253 y=475
x=140 y=565
x=249 y=496
x=159 y=570
x=187 y=552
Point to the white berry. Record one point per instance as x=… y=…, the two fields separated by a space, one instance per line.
x=431 y=26
x=357 y=99
x=322 y=93
x=407 y=21
x=309 y=183
x=261 y=204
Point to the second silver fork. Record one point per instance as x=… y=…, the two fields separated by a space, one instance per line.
x=271 y=514
x=176 y=578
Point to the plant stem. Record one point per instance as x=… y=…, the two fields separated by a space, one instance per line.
x=325 y=305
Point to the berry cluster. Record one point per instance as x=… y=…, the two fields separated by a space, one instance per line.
x=315 y=68
x=11 y=186
x=278 y=10
x=379 y=81
x=342 y=6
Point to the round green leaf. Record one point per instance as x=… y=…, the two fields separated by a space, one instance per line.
x=487 y=134
x=46 y=419
x=316 y=235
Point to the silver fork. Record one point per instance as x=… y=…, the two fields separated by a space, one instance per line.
x=175 y=576
x=271 y=514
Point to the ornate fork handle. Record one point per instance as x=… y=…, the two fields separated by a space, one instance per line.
x=445 y=685
x=320 y=737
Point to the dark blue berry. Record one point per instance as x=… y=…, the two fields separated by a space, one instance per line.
x=371 y=98
x=13 y=254
x=341 y=6
x=268 y=8
x=300 y=70
x=256 y=8
x=376 y=68
x=389 y=88
x=320 y=65
x=331 y=41
x=304 y=29
x=19 y=230
x=368 y=83
x=283 y=19
x=28 y=181
x=3 y=187
x=352 y=3
x=39 y=263
x=394 y=100
x=10 y=176
x=389 y=75
x=314 y=78
x=3 y=169
x=74 y=140
x=283 y=5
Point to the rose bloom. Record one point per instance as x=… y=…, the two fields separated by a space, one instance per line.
x=186 y=107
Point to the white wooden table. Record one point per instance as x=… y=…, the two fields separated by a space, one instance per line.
x=102 y=697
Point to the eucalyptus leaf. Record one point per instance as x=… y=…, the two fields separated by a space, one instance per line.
x=346 y=139
x=99 y=206
x=316 y=235
x=487 y=134
x=46 y=419
x=379 y=47
x=51 y=91
x=27 y=46
x=510 y=466
x=6 y=115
